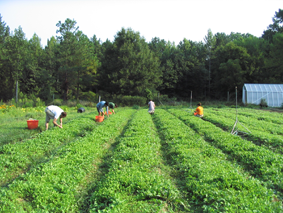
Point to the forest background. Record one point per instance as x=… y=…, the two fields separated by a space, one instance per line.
x=130 y=70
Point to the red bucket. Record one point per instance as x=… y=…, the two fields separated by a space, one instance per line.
x=99 y=118
x=32 y=124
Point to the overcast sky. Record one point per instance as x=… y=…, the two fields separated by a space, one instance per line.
x=171 y=20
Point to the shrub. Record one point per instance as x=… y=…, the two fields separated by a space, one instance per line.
x=30 y=115
x=57 y=102
x=263 y=103
x=70 y=103
x=132 y=100
x=39 y=102
x=136 y=107
x=65 y=108
x=79 y=106
x=164 y=98
x=28 y=103
x=148 y=94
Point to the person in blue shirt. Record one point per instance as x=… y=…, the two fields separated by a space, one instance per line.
x=100 y=106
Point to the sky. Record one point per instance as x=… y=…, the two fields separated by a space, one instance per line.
x=171 y=20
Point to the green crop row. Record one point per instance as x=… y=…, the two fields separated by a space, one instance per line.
x=251 y=122
x=261 y=163
x=55 y=186
x=19 y=157
x=213 y=183
x=274 y=117
x=16 y=130
x=135 y=181
x=260 y=137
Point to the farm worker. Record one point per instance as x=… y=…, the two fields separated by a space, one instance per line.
x=100 y=106
x=151 y=107
x=112 y=106
x=199 y=111
x=54 y=112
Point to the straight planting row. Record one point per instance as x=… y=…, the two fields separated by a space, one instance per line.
x=57 y=185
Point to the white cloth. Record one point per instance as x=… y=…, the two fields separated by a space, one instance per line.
x=55 y=110
x=151 y=106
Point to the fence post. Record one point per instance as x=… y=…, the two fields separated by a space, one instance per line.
x=228 y=96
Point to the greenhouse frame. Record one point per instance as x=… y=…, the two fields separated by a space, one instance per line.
x=272 y=93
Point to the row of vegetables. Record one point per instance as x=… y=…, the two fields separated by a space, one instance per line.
x=17 y=158
x=262 y=123
x=261 y=163
x=270 y=116
x=136 y=181
x=261 y=132
x=134 y=162
x=15 y=129
x=55 y=184
x=214 y=181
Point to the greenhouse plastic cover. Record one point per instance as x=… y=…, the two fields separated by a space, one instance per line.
x=272 y=93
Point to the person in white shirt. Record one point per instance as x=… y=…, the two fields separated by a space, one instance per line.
x=54 y=112
x=151 y=107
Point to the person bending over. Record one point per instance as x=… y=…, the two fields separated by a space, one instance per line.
x=112 y=106
x=55 y=113
x=100 y=106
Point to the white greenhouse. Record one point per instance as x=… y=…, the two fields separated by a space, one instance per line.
x=272 y=93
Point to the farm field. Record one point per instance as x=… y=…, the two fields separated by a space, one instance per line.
x=171 y=161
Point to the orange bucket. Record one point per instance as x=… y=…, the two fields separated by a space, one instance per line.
x=32 y=124
x=109 y=113
x=195 y=113
x=99 y=118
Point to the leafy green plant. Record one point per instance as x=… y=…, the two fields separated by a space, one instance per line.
x=79 y=106
x=212 y=182
x=134 y=175
x=259 y=161
x=263 y=103
x=55 y=185
x=57 y=102
x=136 y=107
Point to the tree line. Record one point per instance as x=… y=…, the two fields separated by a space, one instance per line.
x=72 y=66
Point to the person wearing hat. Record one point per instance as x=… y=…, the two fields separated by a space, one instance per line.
x=55 y=113
x=199 y=111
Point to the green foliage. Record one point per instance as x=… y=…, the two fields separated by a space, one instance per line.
x=213 y=183
x=65 y=169
x=129 y=66
x=136 y=107
x=274 y=62
x=57 y=102
x=28 y=103
x=79 y=106
x=133 y=162
x=164 y=98
x=39 y=102
x=148 y=94
x=274 y=28
x=89 y=96
x=74 y=66
x=263 y=103
x=132 y=100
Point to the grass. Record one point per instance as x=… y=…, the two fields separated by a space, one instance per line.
x=13 y=122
